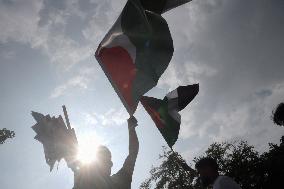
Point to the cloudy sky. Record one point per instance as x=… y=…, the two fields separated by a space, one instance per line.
x=234 y=49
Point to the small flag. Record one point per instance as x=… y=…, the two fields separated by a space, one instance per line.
x=58 y=141
x=165 y=112
x=137 y=50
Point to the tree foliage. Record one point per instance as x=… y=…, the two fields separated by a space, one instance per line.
x=238 y=160
x=6 y=134
x=273 y=166
x=278 y=115
x=171 y=173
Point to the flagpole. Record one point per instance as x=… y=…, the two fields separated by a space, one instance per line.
x=66 y=117
x=178 y=163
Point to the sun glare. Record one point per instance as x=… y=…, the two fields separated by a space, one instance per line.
x=88 y=146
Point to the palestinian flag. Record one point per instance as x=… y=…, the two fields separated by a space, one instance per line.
x=57 y=139
x=165 y=112
x=137 y=49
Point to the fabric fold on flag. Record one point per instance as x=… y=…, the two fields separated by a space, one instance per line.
x=137 y=50
x=164 y=112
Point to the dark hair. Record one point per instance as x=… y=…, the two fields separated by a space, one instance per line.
x=207 y=162
x=278 y=115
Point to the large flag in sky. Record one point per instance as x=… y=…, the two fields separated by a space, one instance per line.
x=137 y=49
x=165 y=112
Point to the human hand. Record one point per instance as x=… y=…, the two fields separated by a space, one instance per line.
x=132 y=122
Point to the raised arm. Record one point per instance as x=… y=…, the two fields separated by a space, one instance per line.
x=133 y=139
x=129 y=163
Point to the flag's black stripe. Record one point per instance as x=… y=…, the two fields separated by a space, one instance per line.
x=186 y=94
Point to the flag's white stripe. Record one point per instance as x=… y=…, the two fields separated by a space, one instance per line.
x=172 y=94
x=175 y=115
x=115 y=37
x=173 y=104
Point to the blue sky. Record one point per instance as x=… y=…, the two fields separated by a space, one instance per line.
x=234 y=49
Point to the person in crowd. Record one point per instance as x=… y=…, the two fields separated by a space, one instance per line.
x=97 y=175
x=207 y=169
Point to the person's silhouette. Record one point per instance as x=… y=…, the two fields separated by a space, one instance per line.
x=97 y=175
x=207 y=169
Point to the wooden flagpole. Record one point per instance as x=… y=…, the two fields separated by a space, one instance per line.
x=66 y=117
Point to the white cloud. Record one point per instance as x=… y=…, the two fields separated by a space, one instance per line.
x=170 y=78
x=18 y=21
x=249 y=120
x=65 y=52
x=7 y=54
x=188 y=73
x=76 y=82
x=102 y=19
x=110 y=118
x=238 y=65
x=25 y=22
x=80 y=81
x=197 y=71
x=90 y=119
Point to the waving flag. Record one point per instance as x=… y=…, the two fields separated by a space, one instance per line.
x=58 y=140
x=165 y=112
x=137 y=49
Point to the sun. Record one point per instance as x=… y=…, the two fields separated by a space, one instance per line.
x=85 y=155
x=87 y=149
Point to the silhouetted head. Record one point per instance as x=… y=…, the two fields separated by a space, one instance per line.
x=278 y=115
x=104 y=163
x=207 y=169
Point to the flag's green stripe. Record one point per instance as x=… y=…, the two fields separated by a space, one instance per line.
x=150 y=34
x=171 y=130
